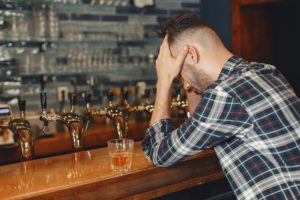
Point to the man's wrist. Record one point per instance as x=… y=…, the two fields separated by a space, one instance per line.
x=166 y=84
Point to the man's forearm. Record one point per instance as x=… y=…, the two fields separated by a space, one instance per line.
x=162 y=104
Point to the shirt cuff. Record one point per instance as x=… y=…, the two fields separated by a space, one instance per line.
x=161 y=127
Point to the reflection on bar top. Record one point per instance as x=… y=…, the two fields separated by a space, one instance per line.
x=58 y=173
x=65 y=171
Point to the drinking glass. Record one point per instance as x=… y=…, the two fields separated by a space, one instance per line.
x=120 y=153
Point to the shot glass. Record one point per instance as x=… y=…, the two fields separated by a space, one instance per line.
x=120 y=153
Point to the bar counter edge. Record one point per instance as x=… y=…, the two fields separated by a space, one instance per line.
x=87 y=175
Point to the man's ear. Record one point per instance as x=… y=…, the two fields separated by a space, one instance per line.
x=193 y=54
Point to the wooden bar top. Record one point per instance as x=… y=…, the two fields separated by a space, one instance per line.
x=87 y=175
x=60 y=143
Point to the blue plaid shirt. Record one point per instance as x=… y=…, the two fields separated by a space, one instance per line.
x=251 y=117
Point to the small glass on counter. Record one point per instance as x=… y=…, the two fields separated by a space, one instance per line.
x=120 y=153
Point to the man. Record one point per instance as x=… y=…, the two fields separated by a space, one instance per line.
x=246 y=111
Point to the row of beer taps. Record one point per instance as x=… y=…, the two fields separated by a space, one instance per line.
x=73 y=121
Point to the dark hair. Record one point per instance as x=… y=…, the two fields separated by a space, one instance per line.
x=180 y=23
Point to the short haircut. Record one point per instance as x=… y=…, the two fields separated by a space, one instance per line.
x=174 y=26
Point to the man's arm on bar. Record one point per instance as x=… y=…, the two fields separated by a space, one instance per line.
x=217 y=118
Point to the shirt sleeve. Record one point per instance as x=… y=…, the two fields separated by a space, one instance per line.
x=217 y=118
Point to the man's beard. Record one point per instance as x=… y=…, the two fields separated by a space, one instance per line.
x=198 y=78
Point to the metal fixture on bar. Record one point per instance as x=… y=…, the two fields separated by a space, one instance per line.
x=111 y=111
x=145 y=106
x=70 y=119
x=178 y=103
x=22 y=131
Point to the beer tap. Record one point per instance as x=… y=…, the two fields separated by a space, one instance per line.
x=22 y=131
x=43 y=116
x=70 y=119
x=145 y=106
x=179 y=103
x=111 y=111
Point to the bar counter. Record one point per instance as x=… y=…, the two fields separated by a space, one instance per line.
x=60 y=143
x=87 y=175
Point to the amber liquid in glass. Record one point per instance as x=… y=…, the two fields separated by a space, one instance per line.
x=120 y=161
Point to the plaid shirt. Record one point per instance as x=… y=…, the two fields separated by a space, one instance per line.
x=251 y=116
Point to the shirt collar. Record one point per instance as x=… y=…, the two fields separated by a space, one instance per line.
x=229 y=66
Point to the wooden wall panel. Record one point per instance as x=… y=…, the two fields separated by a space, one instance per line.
x=251 y=29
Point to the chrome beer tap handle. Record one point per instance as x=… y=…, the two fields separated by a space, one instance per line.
x=18 y=124
x=70 y=119
x=145 y=106
x=74 y=123
x=111 y=111
x=117 y=116
x=22 y=130
x=90 y=111
x=125 y=102
x=44 y=116
x=126 y=105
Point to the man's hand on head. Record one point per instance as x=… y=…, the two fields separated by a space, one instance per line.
x=168 y=67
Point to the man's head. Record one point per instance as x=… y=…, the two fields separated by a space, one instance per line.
x=191 y=30
x=175 y=26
